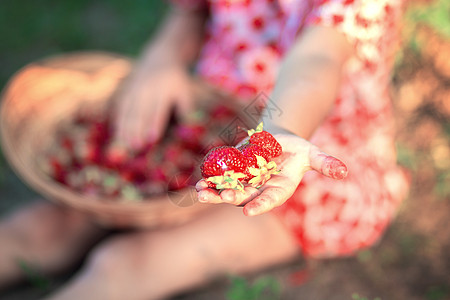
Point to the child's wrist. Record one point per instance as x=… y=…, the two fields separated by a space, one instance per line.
x=159 y=56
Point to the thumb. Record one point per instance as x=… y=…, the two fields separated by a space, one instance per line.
x=327 y=165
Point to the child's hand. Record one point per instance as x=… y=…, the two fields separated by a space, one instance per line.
x=143 y=110
x=298 y=157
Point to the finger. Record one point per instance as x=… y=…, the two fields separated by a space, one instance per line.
x=134 y=128
x=209 y=196
x=159 y=117
x=236 y=197
x=185 y=102
x=126 y=99
x=201 y=185
x=126 y=127
x=268 y=200
x=133 y=113
x=150 y=101
x=120 y=112
x=274 y=193
x=326 y=164
x=137 y=122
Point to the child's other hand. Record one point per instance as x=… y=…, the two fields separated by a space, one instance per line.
x=298 y=157
x=143 y=108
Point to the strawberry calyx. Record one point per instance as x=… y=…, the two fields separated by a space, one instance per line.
x=263 y=172
x=258 y=128
x=229 y=180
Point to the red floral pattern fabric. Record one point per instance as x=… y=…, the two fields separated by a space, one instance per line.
x=245 y=43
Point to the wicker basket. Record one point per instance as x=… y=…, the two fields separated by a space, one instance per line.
x=41 y=95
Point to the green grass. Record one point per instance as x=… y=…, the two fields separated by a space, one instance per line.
x=263 y=288
x=33 y=276
x=435 y=14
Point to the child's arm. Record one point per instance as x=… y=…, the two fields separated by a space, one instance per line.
x=305 y=91
x=308 y=80
x=179 y=37
x=160 y=79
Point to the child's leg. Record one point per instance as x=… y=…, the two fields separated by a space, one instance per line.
x=45 y=236
x=154 y=265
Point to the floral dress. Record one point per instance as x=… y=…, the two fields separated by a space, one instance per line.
x=244 y=45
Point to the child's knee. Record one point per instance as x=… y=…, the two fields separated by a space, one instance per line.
x=116 y=256
x=104 y=258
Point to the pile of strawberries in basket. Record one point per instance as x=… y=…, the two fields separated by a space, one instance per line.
x=85 y=158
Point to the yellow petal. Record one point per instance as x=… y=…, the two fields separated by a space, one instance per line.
x=254 y=171
x=215 y=179
x=254 y=180
x=271 y=165
x=260 y=127
x=260 y=161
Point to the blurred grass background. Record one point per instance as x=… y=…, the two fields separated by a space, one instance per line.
x=413 y=260
x=31 y=30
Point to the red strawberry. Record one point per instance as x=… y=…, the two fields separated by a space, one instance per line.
x=178 y=155
x=67 y=143
x=99 y=132
x=58 y=170
x=260 y=169
x=221 y=112
x=250 y=151
x=223 y=161
x=138 y=168
x=115 y=155
x=266 y=141
x=158 y=173
x=86 y=153
x=190 y=135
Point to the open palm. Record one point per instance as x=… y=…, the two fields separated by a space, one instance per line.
x=299 y=156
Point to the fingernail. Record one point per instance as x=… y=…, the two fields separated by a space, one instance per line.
x=251 y=209
x=248 y=211
x=341 y=172
x=201 y=185
x=334 y=168
x=201 y=199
